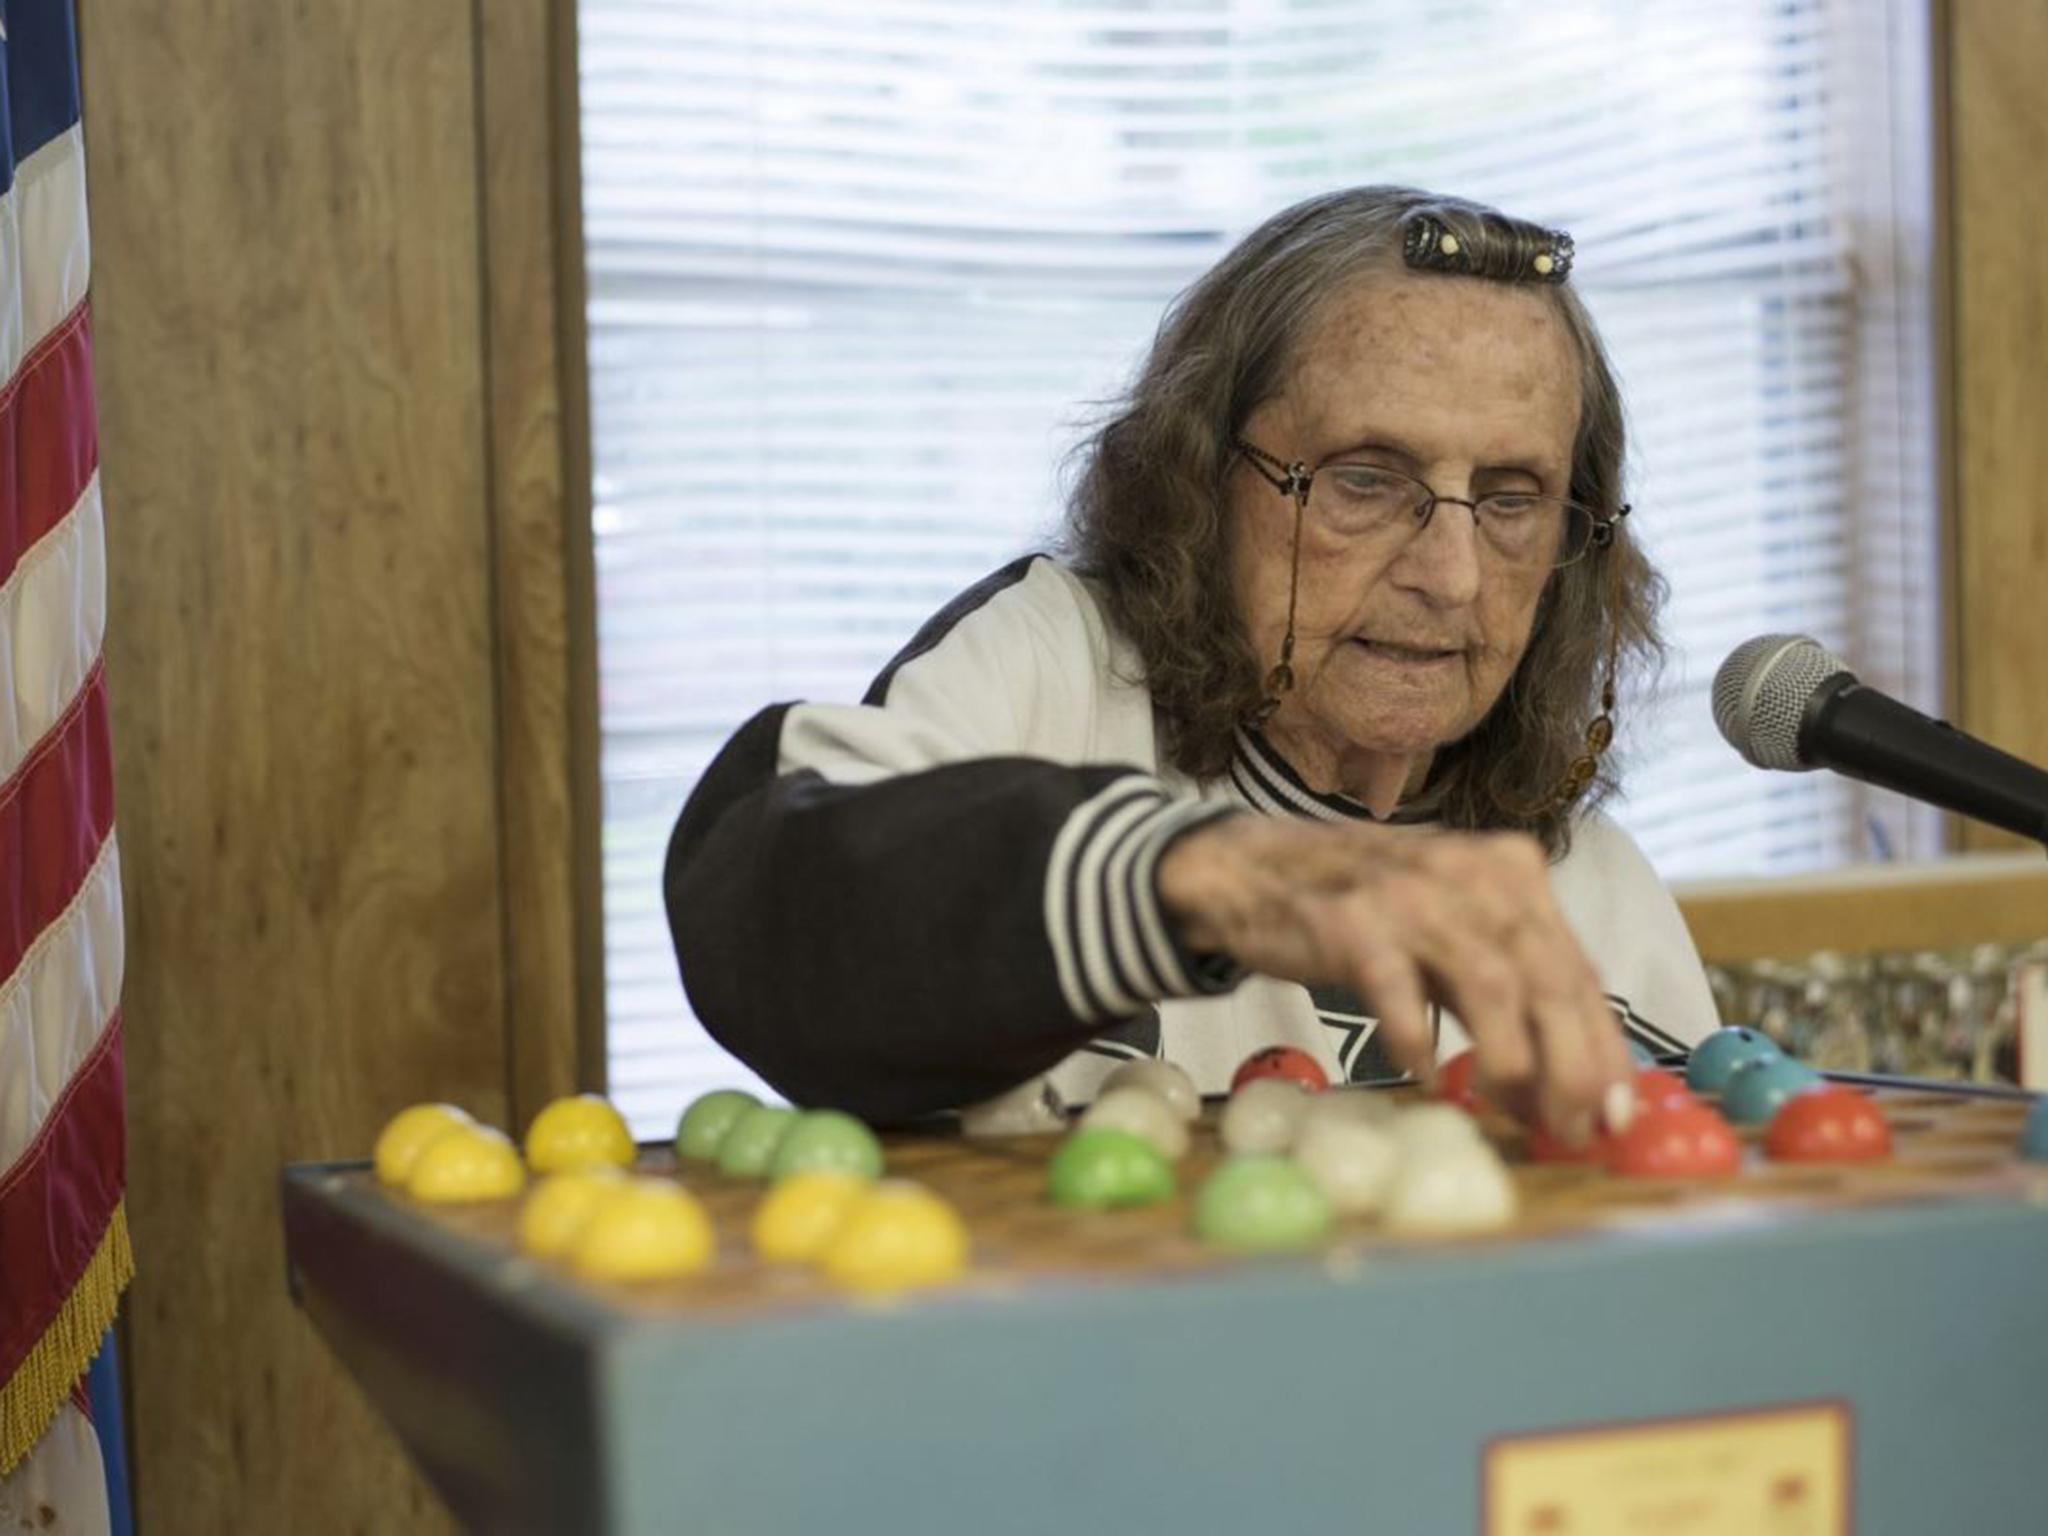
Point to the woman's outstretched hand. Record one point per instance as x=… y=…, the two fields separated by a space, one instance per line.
x=1407 y=917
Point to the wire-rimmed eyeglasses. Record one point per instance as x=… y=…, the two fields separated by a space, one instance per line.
x=1354 y=500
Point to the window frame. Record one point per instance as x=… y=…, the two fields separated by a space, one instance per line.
x=1987 y=130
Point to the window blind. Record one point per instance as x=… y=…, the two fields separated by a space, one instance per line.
x=858 y=274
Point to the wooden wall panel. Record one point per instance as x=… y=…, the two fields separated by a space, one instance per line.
x=1992 y=898
x=545 y=607
x=1997 y=121
x=284 y=207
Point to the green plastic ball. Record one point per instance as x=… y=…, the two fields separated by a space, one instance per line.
x=750 y=1145
x=1097 y=1170
x=828 y=1141
x=1261 y=1205
x=707 y=1121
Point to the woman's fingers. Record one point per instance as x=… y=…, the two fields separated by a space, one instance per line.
x=1504 y=988
x=1393 y=988
x=1478 y=978
x=1618 y=1068
x=1573 y=1033
x=1479 y=916
x=1582 y=1062
x=1468 y=921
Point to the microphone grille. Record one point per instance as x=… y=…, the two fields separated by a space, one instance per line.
x=1761 y=693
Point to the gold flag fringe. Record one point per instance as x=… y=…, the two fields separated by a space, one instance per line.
x=32 y=1395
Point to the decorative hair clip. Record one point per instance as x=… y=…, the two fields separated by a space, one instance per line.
x=1505 y=250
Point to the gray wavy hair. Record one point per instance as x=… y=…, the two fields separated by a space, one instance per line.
x=1148 y=519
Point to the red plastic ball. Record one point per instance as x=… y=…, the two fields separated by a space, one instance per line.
x=1675 y=1141
x=1546 y=1148
x=1281 y=1061
x=1655 y=1086
x=1454 y=1084
x=1828 y=1125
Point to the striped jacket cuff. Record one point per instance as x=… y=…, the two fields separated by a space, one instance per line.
x=1112 y=945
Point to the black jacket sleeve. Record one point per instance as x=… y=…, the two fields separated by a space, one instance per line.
x=883 y=948
x=919 y=902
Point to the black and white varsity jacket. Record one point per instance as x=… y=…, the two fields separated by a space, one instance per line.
x=925 y=900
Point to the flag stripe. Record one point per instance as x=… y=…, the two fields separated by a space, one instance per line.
x=44 y=248
x=54 y=815
x=67 y=1468
x=49 y=446
x=53 y=1008
x=52 y=618
x=55 y=1203
x=41 y=54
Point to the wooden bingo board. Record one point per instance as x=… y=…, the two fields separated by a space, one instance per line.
x=1946 y=1145
x=1188 y=1389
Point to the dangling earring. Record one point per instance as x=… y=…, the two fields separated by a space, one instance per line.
x=1280 y=680
x=1580 y=772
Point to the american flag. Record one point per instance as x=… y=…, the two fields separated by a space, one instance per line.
x=64 y=1255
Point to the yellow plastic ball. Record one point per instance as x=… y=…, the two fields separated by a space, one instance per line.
x=467 y=1162
x=406 y=1132
x=650 y=1229
x=898 y=1237
x=803 y=1212
x=558 y=1208
x=579 y=1132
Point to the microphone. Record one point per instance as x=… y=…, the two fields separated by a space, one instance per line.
x=1784 y=701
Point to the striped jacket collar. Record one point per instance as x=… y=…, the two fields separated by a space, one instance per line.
x=1265 y=781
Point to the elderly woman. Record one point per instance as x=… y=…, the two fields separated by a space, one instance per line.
x=1299 y=742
